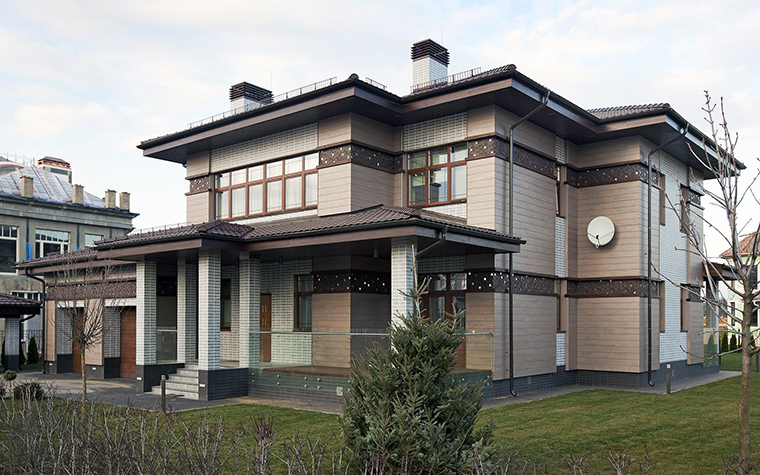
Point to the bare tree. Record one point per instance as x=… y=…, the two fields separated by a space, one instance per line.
x=89 y=295
x=729 y=196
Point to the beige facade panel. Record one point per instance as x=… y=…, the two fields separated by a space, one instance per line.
x=571 y=335
x=50 y=333
x=334 y=190
x=609 y=334
x=370 y=187
x=572 y=233
x=335 y=130
x=535 y=339
x=526 y=134
x=373 y=133
x=607 y=153
x=486 y=191
x=331 y=313
x=481 y=121
x=535 y=212
x=623 y=256
x=198 y=208
x=198 y=164
x=481 y=308
x=399 y=189
x=695 y=351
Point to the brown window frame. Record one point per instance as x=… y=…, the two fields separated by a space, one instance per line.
x=297 y=325
x=222 y=298
x=264 y=181
x=448 y=295
x=448 y=166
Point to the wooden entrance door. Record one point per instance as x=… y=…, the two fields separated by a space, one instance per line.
x=128 y=350
x=76 y=352
x=265 y=325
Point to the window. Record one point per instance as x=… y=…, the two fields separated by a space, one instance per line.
x=304 y=291
x=446 y=297
x=661 y=286
x=91 y=239
x=438 y=175
x=685 y=210
x=560 y=198
x=274 y=187
x=8 y=237
x=685 y=299
x=663 y=198
x=225 y=316
x=51 y=242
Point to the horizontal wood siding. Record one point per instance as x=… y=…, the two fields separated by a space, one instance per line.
x=50 y=333
x=334 y=190
x=625 y=205
x=572 y=232
x=372 y=133
x=609 y=334
x=607 y=153
x=480 y=318
x=334 y=130
x=198 y=208
x=486 y=193
x=481 y=121
x=526 y=134
x=535 y=221
x=370 y=187
x=198 y=164
x=331 y=313
x=535 y=339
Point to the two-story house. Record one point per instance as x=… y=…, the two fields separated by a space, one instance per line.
x=42 y=214
x=311 y=212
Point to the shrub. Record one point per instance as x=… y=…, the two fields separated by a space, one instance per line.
x=9 y=375
x=732 y=343
x=21 y=359
x=405 y=412
x=724 y=343
x=32 y=355
x=30 y=390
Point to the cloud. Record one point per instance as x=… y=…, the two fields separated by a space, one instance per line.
x=45 y=121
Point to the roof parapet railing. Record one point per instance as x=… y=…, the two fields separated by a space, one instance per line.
x=272 y=100
x=375 y=83
x=454 y=78
x=157 y=229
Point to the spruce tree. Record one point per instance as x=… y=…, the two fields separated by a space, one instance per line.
x=32 y=355
x=405 y=410
x=724 y=343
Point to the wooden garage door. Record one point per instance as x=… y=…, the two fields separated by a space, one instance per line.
x=128 y=343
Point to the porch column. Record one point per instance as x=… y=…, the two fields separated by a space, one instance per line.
x=250 y=289
x=12 y=349
x=146 y=314
x=402 y=275
x=209 y=308
x=187 y=305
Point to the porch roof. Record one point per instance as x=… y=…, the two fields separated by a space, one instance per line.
x=11 y=306
x=378 y=222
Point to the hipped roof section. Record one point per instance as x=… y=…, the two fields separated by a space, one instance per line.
x=503 y=86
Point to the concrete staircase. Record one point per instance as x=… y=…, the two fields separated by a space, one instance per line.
x=183 y=383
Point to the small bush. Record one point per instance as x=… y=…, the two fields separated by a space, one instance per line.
x=31 y=390
x=732 y=343
x=21 y=359
x=32 y=355
x=724 y=343
x=9 y=375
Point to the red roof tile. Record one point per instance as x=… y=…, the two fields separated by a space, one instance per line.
x=745 y=247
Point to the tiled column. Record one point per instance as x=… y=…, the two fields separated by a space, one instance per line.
x=12 y=335
x=402 y=275
x=187 y=305
x=146 y=313
x=250 y=289
x=209 y=306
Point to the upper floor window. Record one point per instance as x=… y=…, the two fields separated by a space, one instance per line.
x=273 y=187
x=51 y=242
x=8 y=236
x=91 y=239
x=438 y=175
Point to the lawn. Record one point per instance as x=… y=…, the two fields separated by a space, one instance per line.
x=691 y=431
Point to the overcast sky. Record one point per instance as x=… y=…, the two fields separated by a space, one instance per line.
x=86 y=81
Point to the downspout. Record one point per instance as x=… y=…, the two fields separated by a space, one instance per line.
x=649 y=250
x=441 y=240
x=42 y=311
x=543 y=104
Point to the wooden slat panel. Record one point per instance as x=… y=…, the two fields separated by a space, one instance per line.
x=128 y=349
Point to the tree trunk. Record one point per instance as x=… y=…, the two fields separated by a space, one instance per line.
x=84 y=374
x=745 y=441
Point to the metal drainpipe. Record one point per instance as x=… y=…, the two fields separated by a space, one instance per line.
x=543 y=104
x=42 y=316
x=649 y=250
x=439 y=242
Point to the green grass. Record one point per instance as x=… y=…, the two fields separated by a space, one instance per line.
x=36 y=367
x=733 y=362
x=691 y=431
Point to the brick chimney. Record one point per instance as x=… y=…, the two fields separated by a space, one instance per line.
x=110 y=199
x=430 y=64
x=245 y=96
x=77 y=194
x=27 y=187
x=124 y=201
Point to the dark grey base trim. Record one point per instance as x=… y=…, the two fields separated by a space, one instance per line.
x=65 y=363
x=222 y=384
x=11 y=362
x=111 y=367
x=150 y=375
x=50 y=367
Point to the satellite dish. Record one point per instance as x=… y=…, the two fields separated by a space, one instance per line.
x=600 y=231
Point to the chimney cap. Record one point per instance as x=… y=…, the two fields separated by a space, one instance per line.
x=251 y=91
x=430 y=48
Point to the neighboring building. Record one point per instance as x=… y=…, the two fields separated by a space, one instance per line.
x=42 y=213
x=307 y=211
x=735 y=303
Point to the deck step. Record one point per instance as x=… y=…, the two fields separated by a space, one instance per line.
x=184 y=383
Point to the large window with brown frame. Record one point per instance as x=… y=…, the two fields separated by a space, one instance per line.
x=304 y=291
x=438 y=175
x=274 y=187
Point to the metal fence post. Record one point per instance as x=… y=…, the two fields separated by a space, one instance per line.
x=669 y=375
x=163 y=393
